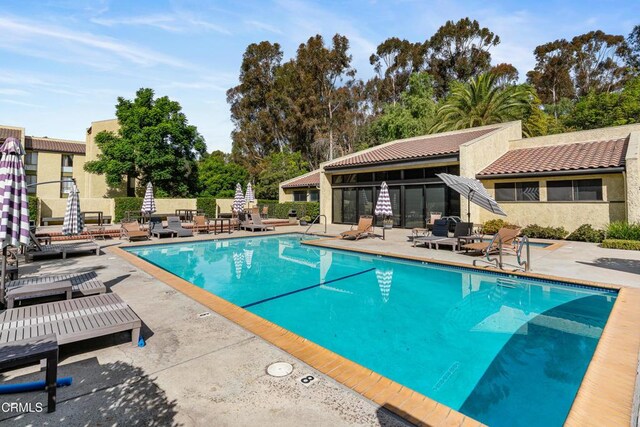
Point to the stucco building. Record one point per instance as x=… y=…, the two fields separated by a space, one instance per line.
x=559 y=180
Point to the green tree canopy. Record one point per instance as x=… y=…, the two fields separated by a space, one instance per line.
x=219 y=175
x=154 y=144
x=482 y=101
x=412 y=116
x=598 y=110
x=278 y=167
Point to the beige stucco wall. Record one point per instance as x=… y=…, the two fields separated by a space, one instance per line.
x=170 y=205
x=49 y=169
x=569 y=215
x=55 y=207
x=95 y=185
x=573 y=137
x=224 y=205
x=480 y=153
x=632 y=176
x=286 y=194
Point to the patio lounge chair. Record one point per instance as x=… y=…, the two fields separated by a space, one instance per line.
x=508 y=235
x=157 y=229
x=37 y=250
x=462 y=229
x=433 y=216
x=365 y=229
x=257 y=222
x=84 y=284
x=200 y=224
x=173 y=223
x=71 y=320
x=440 y=232
x=132 y=230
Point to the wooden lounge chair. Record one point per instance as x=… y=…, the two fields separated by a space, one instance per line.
x=440 y=232
x=71 y=320
x=83 y=284
x=462 y=229
x=365 y=229
x=174 y=224
x=508 y=235
x=265 y=212
x=433 y=216
x=200 y=224
x=132 y=230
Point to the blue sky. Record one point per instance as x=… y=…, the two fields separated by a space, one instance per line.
x=63 y=63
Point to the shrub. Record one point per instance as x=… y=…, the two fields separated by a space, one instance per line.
x=123 y=204
x=33 y=209
x=208 y=205
x=281 y=210
x=631 y=245
x=492 y=226
x=586 y=233
x=623 y=231
x=539 y=232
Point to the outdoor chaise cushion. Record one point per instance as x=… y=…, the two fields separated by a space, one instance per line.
x=70 y=320
x=440 y=232
x=365 y=229
x=462 y=229
x=200 y=224
x=508 y=235
x=173 y=223
x=132 y=230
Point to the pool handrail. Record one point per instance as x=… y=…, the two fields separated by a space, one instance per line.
x=314 y=221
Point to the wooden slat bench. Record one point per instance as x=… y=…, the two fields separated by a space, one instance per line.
x=37 y=290
x=70 y=320
x=81 y=283
x=33 y=350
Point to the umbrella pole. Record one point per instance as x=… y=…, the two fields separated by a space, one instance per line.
x=4 y=272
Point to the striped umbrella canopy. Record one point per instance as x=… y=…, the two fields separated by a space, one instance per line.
x=149 y=202
x=474 y=192
x=73 y=222
x=14 y=224
x=383 y=207
x=238 y=200
x=249 y=197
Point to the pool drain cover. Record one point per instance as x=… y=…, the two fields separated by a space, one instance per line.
x=279 y=369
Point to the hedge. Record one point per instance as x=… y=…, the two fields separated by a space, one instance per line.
x=281 y=210
x=621 y=230
x=538 y=232
x=586 y=233
x=33 y=209
x=631 y=245
x=492 y=226
x=208 y=205
x=123 y=204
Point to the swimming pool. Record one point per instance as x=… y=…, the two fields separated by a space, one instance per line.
x=494 y=347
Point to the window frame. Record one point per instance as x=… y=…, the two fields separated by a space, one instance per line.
x=515 y=186
x=574 y=189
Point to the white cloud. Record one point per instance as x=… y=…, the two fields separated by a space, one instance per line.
x=178 y=22
x=13 y=92
x=52 y=42
x=263 y=26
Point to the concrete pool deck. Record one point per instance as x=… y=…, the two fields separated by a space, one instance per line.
x=209 y=371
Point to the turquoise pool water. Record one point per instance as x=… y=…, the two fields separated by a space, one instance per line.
x=503 y=350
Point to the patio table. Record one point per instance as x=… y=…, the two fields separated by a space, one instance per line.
x=221 y=220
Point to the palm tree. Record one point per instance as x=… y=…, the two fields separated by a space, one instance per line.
x=483 y=101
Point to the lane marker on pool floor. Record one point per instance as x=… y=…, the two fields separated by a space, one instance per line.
x=307 y=288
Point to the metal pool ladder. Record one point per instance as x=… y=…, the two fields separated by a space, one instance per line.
x=497 y=262
x=314 y=221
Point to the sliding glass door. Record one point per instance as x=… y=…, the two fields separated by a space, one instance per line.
x=414 y=206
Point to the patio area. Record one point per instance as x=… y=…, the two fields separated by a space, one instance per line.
x=198 y=368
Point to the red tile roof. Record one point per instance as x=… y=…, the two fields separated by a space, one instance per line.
x=312 y=180
x=8 y=133
x=563 y=157
x=55 y=145
x=412 y=149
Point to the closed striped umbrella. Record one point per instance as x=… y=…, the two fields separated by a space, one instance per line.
x=474 y=192
x=73 y=222
x=383 y=207
x=149 y=202
x=238 y=199
x=249 y=197
x=14 y=224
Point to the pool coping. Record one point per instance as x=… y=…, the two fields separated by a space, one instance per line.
x=605 y=394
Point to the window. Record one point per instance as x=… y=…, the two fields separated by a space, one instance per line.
x=314 y=195
x=574 y=190
x=414 y=174
x=31 y=158
x=65 y=186
x=31 y=179
x=67 y=161
x=518 y=191
x=300 y=196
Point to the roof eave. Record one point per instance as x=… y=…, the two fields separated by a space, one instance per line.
x=454 y=157
x=612 y=169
